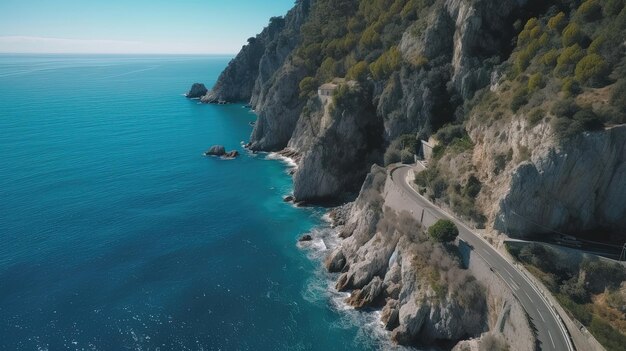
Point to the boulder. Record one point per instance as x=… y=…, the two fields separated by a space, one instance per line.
x=197 y=90
x=335 y=261
x=389 y=315
x=367 y=296
x=288 y=198
x=231 y=154
x=305 y=237
x=216 y=150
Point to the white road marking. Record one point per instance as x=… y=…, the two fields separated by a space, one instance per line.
x=550 y=334
x=541 y=315
x=407 y=188
x=531 y=300
x=509 y=273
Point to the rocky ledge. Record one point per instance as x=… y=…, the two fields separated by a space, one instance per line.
x=220 y=151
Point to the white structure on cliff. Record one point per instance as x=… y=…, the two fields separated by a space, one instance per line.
x=326 y=90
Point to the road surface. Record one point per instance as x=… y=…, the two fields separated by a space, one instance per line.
x=550 y=331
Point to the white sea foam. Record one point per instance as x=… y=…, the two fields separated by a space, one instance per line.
x=287 y=160
x=321 y=289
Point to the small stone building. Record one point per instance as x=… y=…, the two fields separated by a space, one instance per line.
x=326 y=90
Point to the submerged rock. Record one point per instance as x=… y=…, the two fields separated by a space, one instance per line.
x=197 y=90
x=216 y=150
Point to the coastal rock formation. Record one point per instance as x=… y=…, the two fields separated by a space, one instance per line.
x=425 y=293
x=248 y=76
x=197 y=90
x=231 y=154
x=386 y=262
x=216 y=150
x=305 y=238
x=340 y=148
x=220 y=151
x=574 y=186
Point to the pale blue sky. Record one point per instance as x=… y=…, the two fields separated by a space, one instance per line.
x=133 y=26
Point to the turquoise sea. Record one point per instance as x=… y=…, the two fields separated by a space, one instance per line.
x=117 y=234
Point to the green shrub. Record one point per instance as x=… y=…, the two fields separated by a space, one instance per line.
x=584 y=120
x=525 y=55
x=308 y=86
x=535 y=82
x=549 y=58
x=570 y=86
x=596 y=44
x=609 y=336
x=557 y=22
x=406 y=156
x=358 y=72
x=572 y=35
x=386 y=64
x=565 y=108
x=392 y=155
x=592 y=69
x=473 y=187
x=535 y=117
x=590 y=10
x=568 y=59
x=449 y=132
x=520 y=98
x=613 y=7
x=443 y=231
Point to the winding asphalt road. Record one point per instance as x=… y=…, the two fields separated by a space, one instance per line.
x=550 y=330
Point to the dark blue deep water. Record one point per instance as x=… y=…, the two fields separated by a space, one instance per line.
x=116 y=233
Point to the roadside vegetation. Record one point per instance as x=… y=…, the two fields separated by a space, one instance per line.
x=593 y=291
x=454 y=188
x=443 y=231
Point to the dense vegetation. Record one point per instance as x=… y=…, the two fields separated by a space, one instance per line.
x=568 y=61
x=590 y=289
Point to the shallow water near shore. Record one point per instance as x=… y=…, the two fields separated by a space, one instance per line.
x=118 y=234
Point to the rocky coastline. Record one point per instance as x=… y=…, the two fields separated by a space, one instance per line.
x=452 y=70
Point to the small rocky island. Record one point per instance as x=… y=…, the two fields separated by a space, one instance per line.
x=220 y=151
x=197 y=91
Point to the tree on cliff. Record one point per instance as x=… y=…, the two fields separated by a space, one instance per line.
x=443 y=231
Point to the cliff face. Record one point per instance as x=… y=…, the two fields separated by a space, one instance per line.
x=419 y=65
x=249 y=76
x=340 y=141
x=386 y=261
x=453 y=38
x=578 y=186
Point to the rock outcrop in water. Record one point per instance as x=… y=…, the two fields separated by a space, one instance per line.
x=197 y=91
x=494 y=81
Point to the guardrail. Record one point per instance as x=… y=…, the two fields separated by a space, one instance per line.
x=568 y=337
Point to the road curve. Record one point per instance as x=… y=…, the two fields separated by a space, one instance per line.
x=551 y=332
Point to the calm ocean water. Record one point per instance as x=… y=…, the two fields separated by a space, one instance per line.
x=116 y=233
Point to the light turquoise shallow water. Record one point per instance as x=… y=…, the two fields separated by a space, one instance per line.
x=118 y=234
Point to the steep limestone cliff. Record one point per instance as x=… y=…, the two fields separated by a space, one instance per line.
x=386 y=262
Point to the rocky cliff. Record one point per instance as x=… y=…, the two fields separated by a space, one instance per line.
x=447 y=50
x=426 y=295
x=526 y=101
